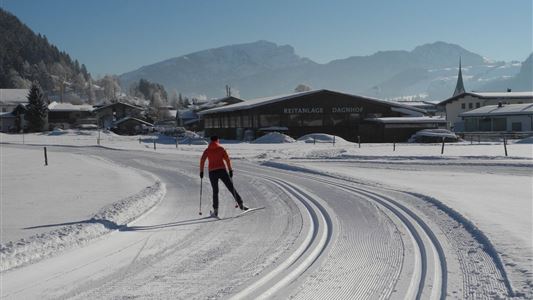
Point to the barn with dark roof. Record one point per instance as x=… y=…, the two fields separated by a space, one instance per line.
x=321 y=111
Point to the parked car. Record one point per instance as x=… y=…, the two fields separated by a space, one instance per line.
x=433 y=136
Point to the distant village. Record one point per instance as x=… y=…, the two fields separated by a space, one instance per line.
x=353 y=117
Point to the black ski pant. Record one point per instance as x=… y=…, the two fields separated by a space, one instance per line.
x=223 y=175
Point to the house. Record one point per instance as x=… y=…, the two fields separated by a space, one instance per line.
x=11 y=98
x=189 y=118
x=499 y=118
x=467 y=101
x=13 y=121
x=131 y=126
x=107 y=115
x=351 y=117
x=67 y=115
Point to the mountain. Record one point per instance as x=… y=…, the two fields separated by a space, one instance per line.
x=208 y=71
x=26 y=57
x=520 y=82
x=263 y=68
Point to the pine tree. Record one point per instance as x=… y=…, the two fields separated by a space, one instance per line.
x=37 y=110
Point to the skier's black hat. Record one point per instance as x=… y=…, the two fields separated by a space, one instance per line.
x=214 y=138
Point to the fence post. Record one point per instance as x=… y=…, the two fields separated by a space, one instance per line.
x=479 y=139
x=98 y=139
x=442 y=149
x=505 y=144
x=45 y=157
x=393 y=146
x=314 y=141
x=139 y=139
x=333 y=140
x=359 y=140
x=154 y=143
x=176 y=142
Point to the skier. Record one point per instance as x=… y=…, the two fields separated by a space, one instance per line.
x=217 y=155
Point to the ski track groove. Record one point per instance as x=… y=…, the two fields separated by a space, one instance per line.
x=314 y=245
x=405 y=214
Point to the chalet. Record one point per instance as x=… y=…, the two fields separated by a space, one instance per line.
x=67 y=115
x=107 y=115
x=131 y=126
x=11 y=98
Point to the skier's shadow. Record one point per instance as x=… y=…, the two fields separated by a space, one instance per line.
x=114 y=226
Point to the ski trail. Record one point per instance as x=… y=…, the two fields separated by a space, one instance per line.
x=315 y=243
x=426 y=242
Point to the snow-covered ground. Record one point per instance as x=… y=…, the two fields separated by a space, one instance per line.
x=475 y=183
x=45 y=208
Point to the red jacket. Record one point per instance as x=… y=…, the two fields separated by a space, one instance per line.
x=216 y=155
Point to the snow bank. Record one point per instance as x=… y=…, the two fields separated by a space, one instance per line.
x=274 y=138
x=109 y=218
x=321 y=138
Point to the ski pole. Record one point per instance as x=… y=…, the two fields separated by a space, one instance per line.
x=201 y=181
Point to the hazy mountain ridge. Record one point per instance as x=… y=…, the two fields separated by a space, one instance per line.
x=263 y=68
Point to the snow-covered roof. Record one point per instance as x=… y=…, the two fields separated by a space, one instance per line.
x=117 y=103
x=269 y=100
x=187 y=114
x=506 y=109
x=489 y=95
x=55 y=106
x=134 y=119
x=14 y=95
x=417 y=103
x=398 y=120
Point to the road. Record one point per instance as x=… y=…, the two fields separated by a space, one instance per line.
x=318 y=237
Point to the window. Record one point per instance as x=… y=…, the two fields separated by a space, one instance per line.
x=463 y=105
x=269 y=120
x=4 y=109
x=478 y=105
x=294 y=120
x=516 y=126
x=470 y=105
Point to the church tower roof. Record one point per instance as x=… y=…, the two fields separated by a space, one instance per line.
x=459 y=87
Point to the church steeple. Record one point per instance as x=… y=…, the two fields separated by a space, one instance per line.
x=459 y=87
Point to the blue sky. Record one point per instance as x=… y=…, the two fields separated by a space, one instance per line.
x=116 y=36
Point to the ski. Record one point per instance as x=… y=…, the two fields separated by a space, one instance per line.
x=251 y=209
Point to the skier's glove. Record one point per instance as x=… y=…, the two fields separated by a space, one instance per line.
x=231 y=173
x=201 y=174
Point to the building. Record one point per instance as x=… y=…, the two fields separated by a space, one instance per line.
x=499 y=118
x=467 y=101
x=14 y=121
x=462 y=101
x=11 y=98
x=67 y=115
x=131 y=126
x=321 y=111
x=107 y=115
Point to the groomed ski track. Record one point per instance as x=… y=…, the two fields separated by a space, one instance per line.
x=318 y=237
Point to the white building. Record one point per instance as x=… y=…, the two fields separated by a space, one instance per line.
x=468 y=101
x=500 y=118
x=11 y=98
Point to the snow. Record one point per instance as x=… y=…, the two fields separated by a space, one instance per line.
x=274 y=138
x=321 y=138
x=475 y=200
x=528 y=140
x=39 y=220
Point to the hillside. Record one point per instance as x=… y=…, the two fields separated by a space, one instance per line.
x=26 y=57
